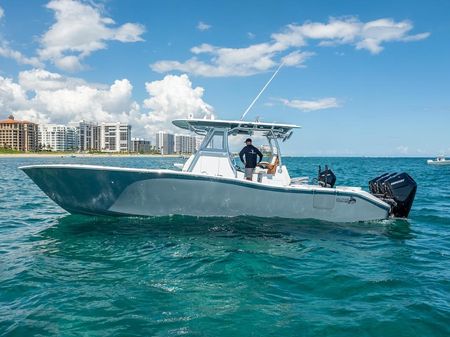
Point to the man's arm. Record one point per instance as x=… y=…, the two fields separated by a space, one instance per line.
x=259 y=154
x=241 y=155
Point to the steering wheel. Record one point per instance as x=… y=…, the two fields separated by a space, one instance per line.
x=263 y=164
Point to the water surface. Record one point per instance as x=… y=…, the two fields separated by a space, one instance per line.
x=66 y=275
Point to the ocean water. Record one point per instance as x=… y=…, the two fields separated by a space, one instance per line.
x=66 y=275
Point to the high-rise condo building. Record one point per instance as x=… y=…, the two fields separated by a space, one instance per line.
x=87 y=135
x=165 y=142
x=115 y=137
x=18 y=135
x=140 y=145
x=185 y=143
x=55 y=137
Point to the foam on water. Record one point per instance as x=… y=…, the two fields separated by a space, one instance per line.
x=70 y=275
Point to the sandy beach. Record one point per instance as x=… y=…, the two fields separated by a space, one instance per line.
x=82 y=155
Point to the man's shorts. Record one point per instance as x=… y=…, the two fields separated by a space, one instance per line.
x=249 y=172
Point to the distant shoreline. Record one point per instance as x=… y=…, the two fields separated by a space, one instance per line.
x=84 y=155
x=148 y=155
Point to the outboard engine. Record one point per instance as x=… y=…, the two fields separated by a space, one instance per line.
x=396 y=189
x=326 y=178
x=376 y=185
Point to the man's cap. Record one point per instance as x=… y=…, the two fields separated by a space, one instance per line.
x=248 y=140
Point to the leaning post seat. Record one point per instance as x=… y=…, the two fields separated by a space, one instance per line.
x=272 y=167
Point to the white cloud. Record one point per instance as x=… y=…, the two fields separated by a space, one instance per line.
x=201 y=26
x=402 y=149
x=46 y=97
x=86 y=102
x=171 y=98
x=8 y=52
x=39 y=80
x=42 y=96
x=69 y=63
x=129 y=32
x=246 y=61
x=342 y=30
x=213 y=61
x=12 y=96
x=296 y=58
x=304 y=105
x=370 y=35
x=416 y=37
x=79 y=30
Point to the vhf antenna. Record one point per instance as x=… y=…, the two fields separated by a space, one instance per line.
x=262 y=90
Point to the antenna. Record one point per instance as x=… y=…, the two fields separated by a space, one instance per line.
x=262 y=90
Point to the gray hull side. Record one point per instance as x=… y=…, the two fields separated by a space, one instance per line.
x=155 y=193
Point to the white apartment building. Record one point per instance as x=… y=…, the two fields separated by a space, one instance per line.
x=87 y=135
x=115 y=137
x=57 y=137
x=185 y=143
x=165 y=142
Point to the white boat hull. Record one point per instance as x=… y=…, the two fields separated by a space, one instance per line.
x=438 y=162
x=96 y=190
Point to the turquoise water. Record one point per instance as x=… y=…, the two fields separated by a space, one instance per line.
x=65 y=275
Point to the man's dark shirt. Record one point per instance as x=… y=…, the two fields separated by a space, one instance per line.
x=250 y=152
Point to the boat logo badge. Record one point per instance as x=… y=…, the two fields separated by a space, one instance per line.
x=349 y=201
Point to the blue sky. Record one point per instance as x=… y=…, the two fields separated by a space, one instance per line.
x=361 y=77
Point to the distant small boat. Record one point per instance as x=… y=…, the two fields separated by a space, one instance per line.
x=440 y=160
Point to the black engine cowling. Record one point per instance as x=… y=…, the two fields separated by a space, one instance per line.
x=397 y=189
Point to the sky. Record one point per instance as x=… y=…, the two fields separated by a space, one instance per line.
x=362 y=78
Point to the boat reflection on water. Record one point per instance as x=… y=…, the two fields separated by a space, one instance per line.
x=288 y=230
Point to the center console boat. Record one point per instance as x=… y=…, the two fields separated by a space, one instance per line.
x=210 y=184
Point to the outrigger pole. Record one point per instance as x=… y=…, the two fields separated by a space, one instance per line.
x=262 y=90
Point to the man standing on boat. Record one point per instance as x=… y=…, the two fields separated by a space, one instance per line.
x=248 y=157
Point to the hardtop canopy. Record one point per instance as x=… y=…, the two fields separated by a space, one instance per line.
x=202 y=126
